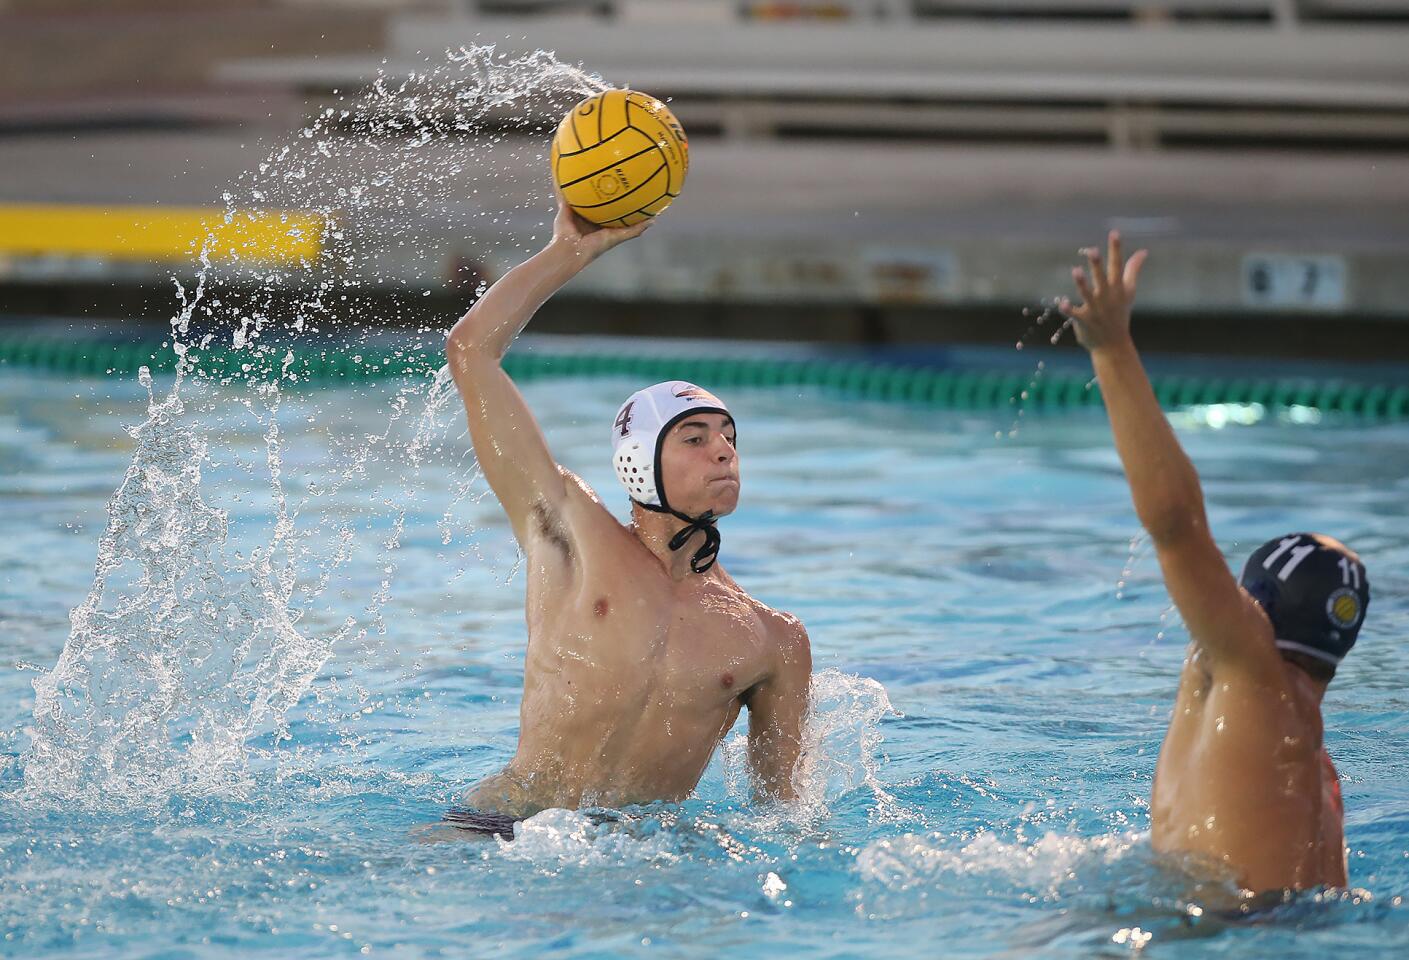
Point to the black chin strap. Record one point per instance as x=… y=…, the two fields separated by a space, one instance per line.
x=705 y=523
x=706 y=555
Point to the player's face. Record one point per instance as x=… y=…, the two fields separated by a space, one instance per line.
x=700 y=465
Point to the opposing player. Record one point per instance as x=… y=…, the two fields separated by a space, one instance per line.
x=641 y=648
x=1243 y=778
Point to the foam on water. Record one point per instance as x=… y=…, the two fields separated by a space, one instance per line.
x=1047 y=868
x=841 y=756
x=585 y=838
x=1112 y=892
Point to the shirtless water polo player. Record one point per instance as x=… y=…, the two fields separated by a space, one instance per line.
x=641 y=648
x=1243 y=778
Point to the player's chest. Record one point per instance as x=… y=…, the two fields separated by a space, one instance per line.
x=715 y=656
x=702 y=640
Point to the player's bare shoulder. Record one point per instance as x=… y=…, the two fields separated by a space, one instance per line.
x=578 y=486
x=788 y=639
x=598 y=534
x=583 y=502
x=785 y=626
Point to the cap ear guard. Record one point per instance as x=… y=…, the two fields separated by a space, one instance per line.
x=635 y=468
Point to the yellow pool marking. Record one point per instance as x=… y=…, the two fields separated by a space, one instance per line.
x=160 y=233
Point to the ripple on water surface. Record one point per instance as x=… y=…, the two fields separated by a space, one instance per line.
x=981 y=779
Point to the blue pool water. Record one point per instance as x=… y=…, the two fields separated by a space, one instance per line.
x=228 y=762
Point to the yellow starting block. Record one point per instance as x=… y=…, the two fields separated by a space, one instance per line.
x=160 y=233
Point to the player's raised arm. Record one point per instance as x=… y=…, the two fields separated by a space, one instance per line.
x=1163 y=482
x=508 y=442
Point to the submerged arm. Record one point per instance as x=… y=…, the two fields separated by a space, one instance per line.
x=509 y=445
x=1163 y=483
x=777 y=713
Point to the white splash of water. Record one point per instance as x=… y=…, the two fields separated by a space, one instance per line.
x=184 y=648
x=841 y=747
x=841 y=755
x=1048 y=868
x=179 y=650
x=190 y=643
x=583 y=838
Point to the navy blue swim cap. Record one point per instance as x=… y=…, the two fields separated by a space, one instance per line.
x=1314 y=591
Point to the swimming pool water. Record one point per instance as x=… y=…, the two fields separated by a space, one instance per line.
x=995 y=661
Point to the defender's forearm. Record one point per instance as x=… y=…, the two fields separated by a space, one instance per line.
x=1163 y=482
x=504 y=310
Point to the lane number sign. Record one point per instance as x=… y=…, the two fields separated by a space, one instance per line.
x=1282 y=281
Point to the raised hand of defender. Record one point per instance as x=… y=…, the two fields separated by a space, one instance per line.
x=588 y=239
x=1103 y=316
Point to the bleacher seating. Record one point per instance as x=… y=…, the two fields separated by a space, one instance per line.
x=1130 y=84
x=1134 y=74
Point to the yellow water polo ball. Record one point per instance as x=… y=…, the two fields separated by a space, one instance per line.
x=620 y=157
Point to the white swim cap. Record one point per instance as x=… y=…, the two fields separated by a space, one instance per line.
x=642 y=423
